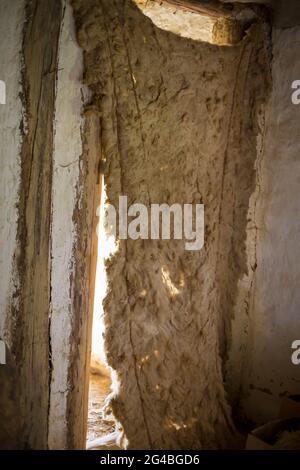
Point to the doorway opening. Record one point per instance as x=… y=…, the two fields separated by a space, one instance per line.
x=101 y=428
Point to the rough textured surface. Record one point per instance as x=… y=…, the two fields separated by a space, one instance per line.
x=181 y=22
x=29 y=302
x=31 y=333
x=267 y=316
x=98 y=425
x=178 y=125
x=45 y=292
x=70 y=97
x=209 y=144
x=82 y=277
x=11 y=26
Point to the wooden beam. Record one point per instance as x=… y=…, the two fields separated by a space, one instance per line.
x=213 y=8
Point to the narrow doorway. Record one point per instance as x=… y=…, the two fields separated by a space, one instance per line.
x=100 y=428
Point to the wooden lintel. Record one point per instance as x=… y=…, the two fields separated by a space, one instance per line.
x=214 y=8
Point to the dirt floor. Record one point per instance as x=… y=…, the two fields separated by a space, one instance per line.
x=98 y=426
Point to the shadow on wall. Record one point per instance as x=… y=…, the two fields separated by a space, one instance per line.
x=11 y=425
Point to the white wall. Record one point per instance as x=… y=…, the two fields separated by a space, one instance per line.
x=11 y=24
x=268 y=320
x=67 y=151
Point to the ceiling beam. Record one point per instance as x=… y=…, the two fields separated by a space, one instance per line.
x=213 y=8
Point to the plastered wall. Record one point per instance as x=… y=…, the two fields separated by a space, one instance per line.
x=12 y=17
x=11 y=21
x=174 y=119
x=267 y=317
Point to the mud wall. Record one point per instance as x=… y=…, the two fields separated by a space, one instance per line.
x=176 y=121
x=179 y=124
x=267 y=312
x=11 y=24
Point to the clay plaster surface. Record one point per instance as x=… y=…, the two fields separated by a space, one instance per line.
x=263 y=335
x=11 y=24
